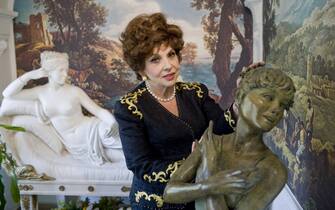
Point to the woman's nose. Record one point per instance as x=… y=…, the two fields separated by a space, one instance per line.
x=167 y=65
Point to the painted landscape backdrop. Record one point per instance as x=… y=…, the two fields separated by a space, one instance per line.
x=299 y=39
x=89 y=30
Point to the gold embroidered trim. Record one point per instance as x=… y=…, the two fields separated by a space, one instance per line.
x=229 y=119
x=131 y=100
x=162 y=175
x=191 y=86
x=159 y=200
x=173 y=167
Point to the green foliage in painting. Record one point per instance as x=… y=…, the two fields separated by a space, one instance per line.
x=315 y=38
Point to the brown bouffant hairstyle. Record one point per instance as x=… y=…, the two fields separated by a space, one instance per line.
x=143 y=34
x=264 y=77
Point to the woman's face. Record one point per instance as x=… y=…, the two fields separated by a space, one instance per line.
x=263 y=108
x=59 y=75
x=162 y=67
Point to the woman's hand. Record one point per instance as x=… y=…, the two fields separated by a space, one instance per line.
x=15 y=89
x=229 y=181
x=35 y=74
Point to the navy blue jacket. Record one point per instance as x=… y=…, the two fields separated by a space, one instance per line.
x=155 y=141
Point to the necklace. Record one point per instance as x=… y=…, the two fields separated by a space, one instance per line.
x=159 y=98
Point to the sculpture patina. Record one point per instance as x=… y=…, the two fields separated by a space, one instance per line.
x=238 y=171
x=59 y=105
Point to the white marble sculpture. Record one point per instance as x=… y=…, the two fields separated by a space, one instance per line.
x=59 y=105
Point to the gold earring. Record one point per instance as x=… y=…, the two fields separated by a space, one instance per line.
x=144 y=78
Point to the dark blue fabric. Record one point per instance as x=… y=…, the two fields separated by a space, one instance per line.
x=157 y=139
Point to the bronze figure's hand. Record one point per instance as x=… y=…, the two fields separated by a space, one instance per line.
x=229 y=181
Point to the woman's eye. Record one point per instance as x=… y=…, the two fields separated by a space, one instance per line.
x=172 y=54
x=154 y=60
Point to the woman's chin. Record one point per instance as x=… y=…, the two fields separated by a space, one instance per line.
x=169 y=83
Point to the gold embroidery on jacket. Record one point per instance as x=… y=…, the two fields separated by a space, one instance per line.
x=131 y=100
x=158 y=199
x=229 y=119
x=191 y=86
x=162 y=175
x=173 y=167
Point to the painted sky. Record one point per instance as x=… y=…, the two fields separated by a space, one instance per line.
x=296 y=11
x=24 y=8
x=120 y=12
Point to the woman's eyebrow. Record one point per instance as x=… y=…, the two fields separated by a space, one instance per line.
x=154 y=56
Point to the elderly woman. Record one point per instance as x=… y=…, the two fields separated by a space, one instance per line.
x=61 y=105
x=160 y=118
x=262 y=97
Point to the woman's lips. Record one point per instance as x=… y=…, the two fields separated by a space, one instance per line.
x=169 y=77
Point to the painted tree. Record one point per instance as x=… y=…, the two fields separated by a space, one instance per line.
x=189 y=53
x=269 y=26
x=219 y=26
x=77 y=23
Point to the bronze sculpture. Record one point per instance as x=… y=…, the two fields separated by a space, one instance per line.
x=238 y=171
